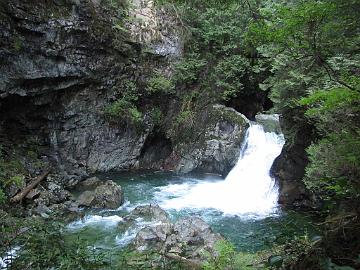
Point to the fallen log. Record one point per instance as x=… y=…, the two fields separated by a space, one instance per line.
x=21 y=195
x=193 y=264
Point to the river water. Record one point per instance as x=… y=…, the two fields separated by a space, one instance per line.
x=243 y=206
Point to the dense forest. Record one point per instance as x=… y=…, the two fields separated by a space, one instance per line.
x=299 y=59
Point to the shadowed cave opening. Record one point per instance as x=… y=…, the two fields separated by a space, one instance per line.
x=155 y=150
x=252 y=104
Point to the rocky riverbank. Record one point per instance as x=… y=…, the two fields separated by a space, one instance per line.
x=63 y=63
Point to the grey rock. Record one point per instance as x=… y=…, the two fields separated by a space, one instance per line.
x=57 y=193
x=289 y=168
x=153 y=238
x=107 y=195
x=42 y=210
x=52 y=193
x=86 y=198
x=90 y=183
x=60 y=64
x=32 y=194
x=148 y=213
x=217 y=151
x=151 y=212
x=189 y=237
x=270 y=122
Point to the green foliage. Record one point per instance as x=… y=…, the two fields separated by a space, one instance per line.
x=324 y=101
x=119 y=6
x=11 y=173
x=188 y=70
x=334 y=168
x=159 y=84
x=229 y=76
x=228 y=258
x=18 y=44
x=226 y=254
x=333 y=172
x=186 y=119
x=296 y=250
x=130 y=91
x=329 y=108
x=314 y=82
x=184 y=124
x=45 y=246
x=217 y=63
x=2 y=196
x=156 y=116
x=125 y=109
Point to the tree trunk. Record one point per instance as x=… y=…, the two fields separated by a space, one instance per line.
x=21 y=195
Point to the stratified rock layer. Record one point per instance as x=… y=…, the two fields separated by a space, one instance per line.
x=62 y=63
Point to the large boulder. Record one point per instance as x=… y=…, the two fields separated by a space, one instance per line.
x=215 y=144
x=189 y=238
x=107 y=195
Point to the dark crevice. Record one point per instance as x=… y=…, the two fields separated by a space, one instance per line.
x=155 y=150
x=252 y=104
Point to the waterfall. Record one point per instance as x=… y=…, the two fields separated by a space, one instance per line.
x=247 y=190
x=248 y=193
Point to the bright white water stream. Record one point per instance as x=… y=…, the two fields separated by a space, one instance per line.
x=247 y=190
x=243 y=207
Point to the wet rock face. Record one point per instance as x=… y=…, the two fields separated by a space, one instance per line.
x=289 y=169
x=60 y=61
x=217 y=148
x=107 y=195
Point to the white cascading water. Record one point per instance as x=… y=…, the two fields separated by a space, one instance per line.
x=248 y=189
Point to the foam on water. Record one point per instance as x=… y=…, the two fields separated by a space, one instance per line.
x=126 y=237
x=248 y=190
x=95 y=220
x=10 y=256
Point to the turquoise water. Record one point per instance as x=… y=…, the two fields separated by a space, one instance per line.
x=248 y=231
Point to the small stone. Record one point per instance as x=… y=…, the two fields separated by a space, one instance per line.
x=32 y=194
x=275 y=260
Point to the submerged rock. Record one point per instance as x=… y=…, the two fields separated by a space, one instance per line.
x=144 y=213
x=107 y=195
x=151 y=212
